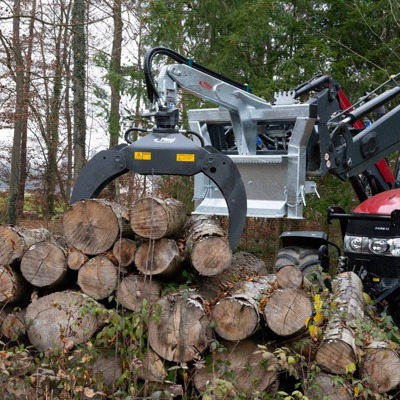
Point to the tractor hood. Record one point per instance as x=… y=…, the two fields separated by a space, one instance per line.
x=383 y=203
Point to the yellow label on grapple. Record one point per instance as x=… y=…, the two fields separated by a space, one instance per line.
x=185 y=158
x=142 y=155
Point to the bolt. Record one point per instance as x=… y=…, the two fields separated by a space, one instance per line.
x=349 y=162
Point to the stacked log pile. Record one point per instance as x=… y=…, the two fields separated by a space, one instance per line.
x=212 y=322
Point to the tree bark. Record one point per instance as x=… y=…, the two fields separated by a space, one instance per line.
x=244 y=266
x=61 y=320
x=325 y=386
x=13 y=325
x=124 y=251
x=291 y=277
x=161 y=257
x=179 y=327
x=152 y=368
x=244 y=362
x=93 y=226
x=237 y=315
x=287 y=310
x=133 y=289
x=155 y=218
x=98 y=277
x=13 y=287
x=207 y=245
x=79 y=83
x=381 y=367
x=44 y=264
x=16 y=240
x=18 y=75
x=338 y=350
x=107 y=369
x=76 y=259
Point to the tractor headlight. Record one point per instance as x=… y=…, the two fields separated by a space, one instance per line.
x=378 y=246
x=395 y=248
x=366 y=245
x=354 y=244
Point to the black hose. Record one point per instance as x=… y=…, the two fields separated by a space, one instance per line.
x=152 y=93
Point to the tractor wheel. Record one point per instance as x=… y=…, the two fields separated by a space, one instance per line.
x=306 y=259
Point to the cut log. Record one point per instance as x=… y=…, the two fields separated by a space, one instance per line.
x=44 y=264
x=13 y=325
x=237 y=315
x=290 y=276
x=287 y=311
x=16 y=240
x=324 y=386
x=133 y=289
x=179 y=327
x=61 y=320
x=106 y=370
x=13 y=287
x=245 y=365
x=155 y=218
x=243 y=267
x=152 y=368
x=124 y=251
x=98 y=277
x=207 y=245
x=93 y=226
x=338 y=350
x=76 y=259
x=381 y=367
x=159 y=257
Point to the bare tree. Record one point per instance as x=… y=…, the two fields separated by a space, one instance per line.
x=18 y=117
x=79 y=79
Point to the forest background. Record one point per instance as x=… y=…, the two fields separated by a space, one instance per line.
x=71 y=79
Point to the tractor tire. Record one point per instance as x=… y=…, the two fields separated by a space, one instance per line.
x=306 y=259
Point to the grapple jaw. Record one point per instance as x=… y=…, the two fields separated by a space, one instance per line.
x=160 y=153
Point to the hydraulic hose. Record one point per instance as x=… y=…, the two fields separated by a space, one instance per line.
x=152 y=93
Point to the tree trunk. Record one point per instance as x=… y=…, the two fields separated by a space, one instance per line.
x=107 y=369
x=124 y=251
x=13 y=325
x=133 y=289
x=207 y=245
x=13 y=287
x=381 y=367
x=98 y=277
x=93 y=226
x=250 y=370
x=179 y=327
x=338 y=349
x=44 y=265
x=16 y=240
x=155 y=218
x=287 y=310
x=61 y=320
x=79 y=83
x=244 y=266
x=18 y=75
x=76 y=259
x=160 y=257
x=152 y=369
x=114 y=80
x=324 y=386
x=237 y=315
x=290 y=276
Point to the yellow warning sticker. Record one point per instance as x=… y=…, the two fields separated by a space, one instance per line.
x=185 y=158
x=142 y=155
